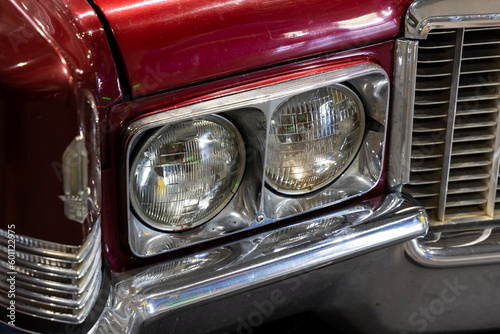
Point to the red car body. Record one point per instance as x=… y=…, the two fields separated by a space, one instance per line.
x=141 y=58
x=176 y=49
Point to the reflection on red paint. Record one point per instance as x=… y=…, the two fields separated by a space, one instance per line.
x=167 y=44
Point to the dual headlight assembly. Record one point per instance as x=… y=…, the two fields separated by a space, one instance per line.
x=241 y=161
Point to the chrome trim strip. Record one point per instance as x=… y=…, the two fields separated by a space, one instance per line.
x=52 y=249
x=47 y=266
x=146 y=294
x=425 y=15
x=254 y=199
x=50 y=283
x=450 y=126
x=52 y=310
x=405 y=73
x=75 y=285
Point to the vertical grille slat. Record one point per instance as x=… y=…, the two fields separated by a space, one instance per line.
x=453 y=171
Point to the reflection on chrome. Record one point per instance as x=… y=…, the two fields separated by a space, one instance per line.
x=145 y=294
x=251 y=111
x=425 y=15
x=455 y=245
x=403 y=99
x=464 y=217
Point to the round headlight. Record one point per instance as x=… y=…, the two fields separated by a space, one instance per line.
x=186 y=172
x=313 y=137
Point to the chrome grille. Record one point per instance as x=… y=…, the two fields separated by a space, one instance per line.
x=453 y=166
x=52 y=281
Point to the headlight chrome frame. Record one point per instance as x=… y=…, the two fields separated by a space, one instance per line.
x=255 y=204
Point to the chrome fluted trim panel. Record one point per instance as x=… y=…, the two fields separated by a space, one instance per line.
x=146 y=294
x=424 y=16
x=53 y=281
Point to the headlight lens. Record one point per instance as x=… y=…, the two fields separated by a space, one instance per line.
x=313 y=138
x=187 y=172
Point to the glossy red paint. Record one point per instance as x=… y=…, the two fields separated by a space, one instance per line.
x=168 y=44
x=114 y=229
x=50 y=54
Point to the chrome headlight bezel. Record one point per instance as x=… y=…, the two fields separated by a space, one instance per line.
x=255 y=204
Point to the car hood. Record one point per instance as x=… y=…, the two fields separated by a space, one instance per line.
x=165 y=44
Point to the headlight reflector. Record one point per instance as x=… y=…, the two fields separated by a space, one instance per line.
x=313 y=137
x=187 y=172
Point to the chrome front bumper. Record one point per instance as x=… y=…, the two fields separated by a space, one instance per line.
x=147 y=295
